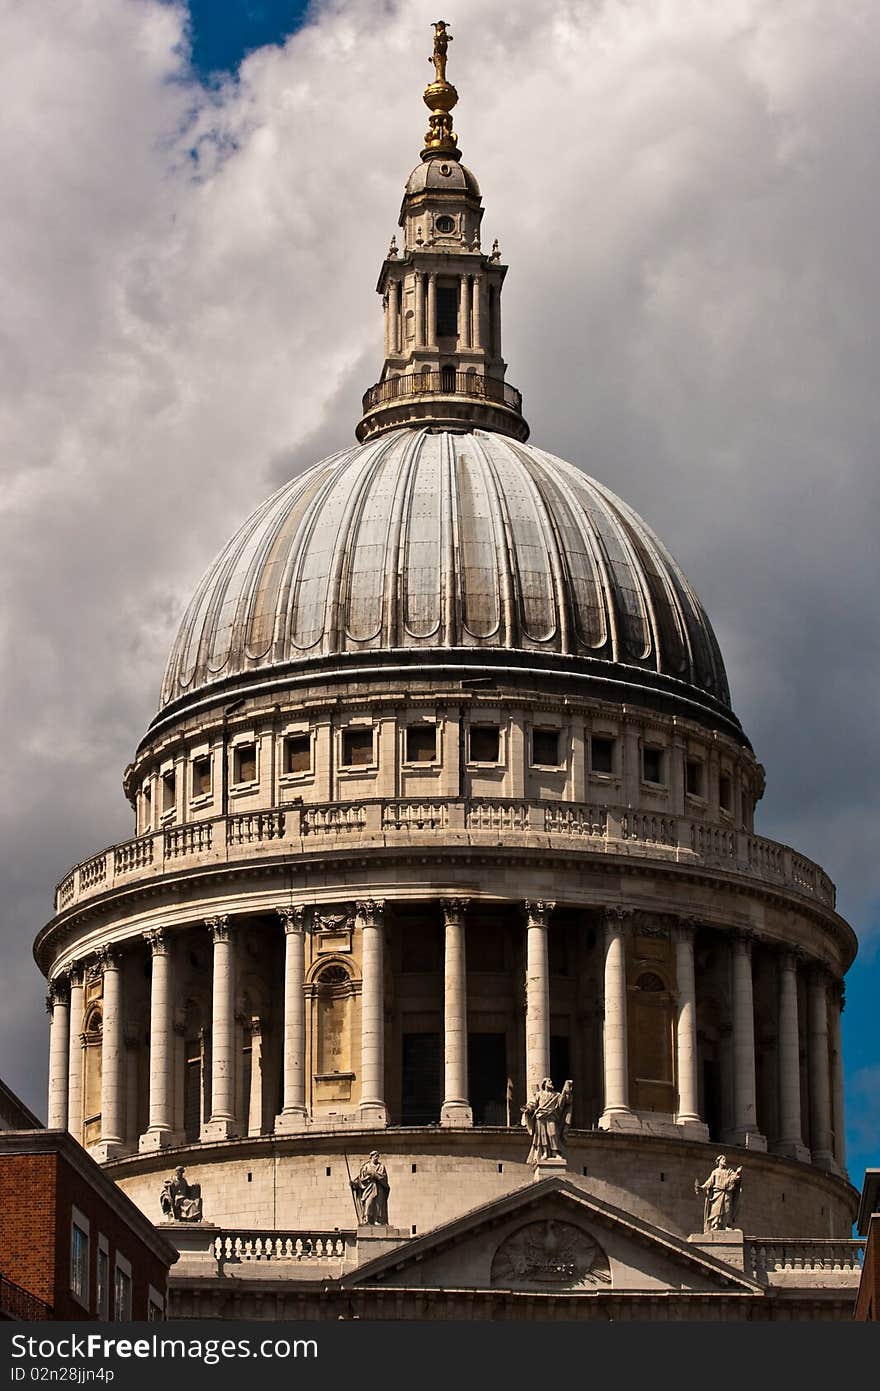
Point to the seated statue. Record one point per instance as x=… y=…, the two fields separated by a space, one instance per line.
x=181 y=1201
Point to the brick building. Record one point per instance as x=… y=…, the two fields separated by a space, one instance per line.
x=72 y=1245
x=868 y=1298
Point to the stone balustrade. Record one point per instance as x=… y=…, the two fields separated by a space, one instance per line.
x=600 y=830
x=766 y=1257
x=319 y=1247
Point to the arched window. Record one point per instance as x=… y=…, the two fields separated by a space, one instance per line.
x=195 y=1047
x=93 y=1035
x=333 y=1009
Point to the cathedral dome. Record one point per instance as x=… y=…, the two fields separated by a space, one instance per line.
x=442 y=175
x=425 y=541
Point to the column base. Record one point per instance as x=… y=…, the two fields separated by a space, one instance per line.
x=692 y=1128
x=747 y=1139
x=456 y=1115
x=619 y=1118
x=373 y=1115
x=158 y=1139
x=824 y=1159
x=793 y=1149
x=727 y=1245
x=292 y=1122
x=105 y=1150
x=225 y=1129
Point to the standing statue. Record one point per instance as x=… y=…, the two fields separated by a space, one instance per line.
x=547 y=1117
x=442 y=40
x=722 y=1191
x=371 y=1189
x=181 y=1201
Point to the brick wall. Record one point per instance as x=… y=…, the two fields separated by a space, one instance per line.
x=868 y=1301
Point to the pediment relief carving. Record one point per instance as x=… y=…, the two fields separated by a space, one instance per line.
x=550 y=1255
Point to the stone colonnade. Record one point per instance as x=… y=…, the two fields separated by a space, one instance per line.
x=824 y=1102
x=472 y=314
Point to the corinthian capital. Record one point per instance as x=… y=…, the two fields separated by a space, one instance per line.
x=454 y=909
x=538 y=911
x=371 y=911
x=218 y=927
x=157 y=940
x=292 y=917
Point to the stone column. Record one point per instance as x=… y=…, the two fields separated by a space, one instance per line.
x=160 y=1128
x=455 y=1110
x=616 y=1114
x=373 y=1111
x=420 y=310
x=222 y=1124
x=75 y=1057
x=477 y=315
x=688 y=1115
x=294 y=1114
x=57 y=1003
x=745 y=1107
x=255 y=1097
x=464 y=314
x=537 y=995
x=431 y=336
x=838 y=1000
x=791 y=1142
x=820 y=1080
x=112 y=1142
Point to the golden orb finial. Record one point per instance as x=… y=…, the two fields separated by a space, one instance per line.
x=440 y=97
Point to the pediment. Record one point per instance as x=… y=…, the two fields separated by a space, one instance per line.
x=552 y=1237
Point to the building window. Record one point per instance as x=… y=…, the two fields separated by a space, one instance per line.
x=122 y=1291
x=79 y=1258
x=652 y=764
x=169 y=791
x=298 y=753
x=725 y=792
x=244 y=763
x=421 y=743
x=357 y=747
x=155 y=1307
x=447 y=311
x=201 y=776
x=485 y=743
x=445 y=225
x=601 y=754
x=545 y=748
x=103 y=1280
x=693 y=777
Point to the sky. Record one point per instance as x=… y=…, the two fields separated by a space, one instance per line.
x=197 y=204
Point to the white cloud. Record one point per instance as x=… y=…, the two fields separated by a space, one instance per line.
x=687 y=199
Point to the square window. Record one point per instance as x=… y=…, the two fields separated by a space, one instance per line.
x=693 y=777
x=357 y=747
x=79 y=1262
x=485 y=743
x=201 y=776
x=244 y=763
x=545 y=748
x=602 y=754
x=298 y=753
x=169 y=791
x=421 y=743
x=652 y=764
x=725 y=792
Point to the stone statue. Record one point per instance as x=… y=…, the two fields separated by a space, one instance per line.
x=442 y=40
x=392 y=250
x=547 y=1117
x=181 y=1201
x=722 y=1191
x=496 y=251
x=371 y=1189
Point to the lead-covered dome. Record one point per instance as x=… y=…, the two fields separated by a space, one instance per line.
x=422 y=541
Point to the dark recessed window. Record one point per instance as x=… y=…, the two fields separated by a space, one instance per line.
x=485 y=743
x=201 y=773
x=298 y=753
x=447 y=311
x=244 y=763
x=725 y=792
x=445 y=225
x=652 y=764
x=357 y=747
x=169 y=791
x=421 y=743
x=693 y=777
x=601 y=754
x=545 y=747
